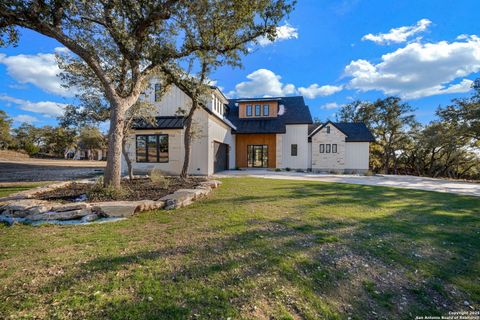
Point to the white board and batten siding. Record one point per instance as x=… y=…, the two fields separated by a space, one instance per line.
x=295 y=134
x=357 y=156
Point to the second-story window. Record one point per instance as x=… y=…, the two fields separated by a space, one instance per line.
x=257 y=111
x=157 y=92
x=266 y=110
x=249 y=110
x=328 y=129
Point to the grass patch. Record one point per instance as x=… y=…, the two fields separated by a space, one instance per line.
x=256 y=248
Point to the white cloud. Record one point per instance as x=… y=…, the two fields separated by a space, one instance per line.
x=262 y=83
x=285 y=32
x=21 y=118
x=330 y=106
x=419 y=70
x=46 y=108
x=399 y=35
x=316 y=90
x=40 y=70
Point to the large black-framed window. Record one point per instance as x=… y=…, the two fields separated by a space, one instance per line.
x=322 y=148
x=257 y=156
x=294 y=150
x=258 y=110
x=328 y=148
x=249 y=110
x=152 y=148
x=266 y=110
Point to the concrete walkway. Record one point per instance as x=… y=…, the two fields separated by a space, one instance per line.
x=407 y=182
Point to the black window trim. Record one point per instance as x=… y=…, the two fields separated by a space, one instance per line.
x=328 y=148
x=322 y=148
x=258 y=108
x=293 y=147
x=146 y=147
x=334 y=148
x=249 y=114
x=328 y=129
x=267 y=108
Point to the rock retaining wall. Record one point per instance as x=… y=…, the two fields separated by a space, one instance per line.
x=23 y=207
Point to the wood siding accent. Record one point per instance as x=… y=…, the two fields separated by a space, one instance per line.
x=273 y=109
x=243 y=140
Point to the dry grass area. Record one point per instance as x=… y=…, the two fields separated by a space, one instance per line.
x=10 y=155
x=256 y=249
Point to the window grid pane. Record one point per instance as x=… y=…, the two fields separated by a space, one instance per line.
x=266 y=110
x=322 y=148
x=157 y=92
x=249 y=111
x=257 y=110
x=152 y=148
x=328 y=148
x=334 y=148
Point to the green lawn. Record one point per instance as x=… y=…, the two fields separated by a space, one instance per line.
x=9 y=188
x=256 y=249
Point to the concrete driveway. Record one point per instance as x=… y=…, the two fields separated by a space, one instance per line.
x=407 y=182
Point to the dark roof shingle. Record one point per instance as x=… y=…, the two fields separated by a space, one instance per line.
x=355 y=131
x=294 y=112
x=160 y=123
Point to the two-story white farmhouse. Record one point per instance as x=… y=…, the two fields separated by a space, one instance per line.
x=245 y=133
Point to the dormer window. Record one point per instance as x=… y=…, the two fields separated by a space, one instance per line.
x=266 y=110
x=249 y=110
x=258 y=110
x=328 y=129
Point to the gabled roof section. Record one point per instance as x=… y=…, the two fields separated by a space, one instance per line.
x=354 y=131
x=294 y=111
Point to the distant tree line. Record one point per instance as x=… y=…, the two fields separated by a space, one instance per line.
x=48 y=141
x=449 y=146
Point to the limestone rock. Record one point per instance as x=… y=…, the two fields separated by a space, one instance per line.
x=146 y=205
x=70 y=207
x=212 y=183
x=90 y=217
x=177 y=200
x=65 y=215
x=115 y=209
x=196 y=193
x=25 y=207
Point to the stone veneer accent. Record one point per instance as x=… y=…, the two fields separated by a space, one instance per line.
x=328 y=161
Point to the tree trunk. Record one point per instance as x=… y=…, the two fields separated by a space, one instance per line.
x=187 y=140
x=127 y=157
x=112 y=176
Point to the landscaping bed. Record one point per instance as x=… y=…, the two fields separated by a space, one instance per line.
x=88 y=201
x=137 y=189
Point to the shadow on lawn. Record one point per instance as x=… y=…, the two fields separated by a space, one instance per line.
x=308 y=266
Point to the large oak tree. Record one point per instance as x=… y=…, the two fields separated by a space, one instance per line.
x=118 y=44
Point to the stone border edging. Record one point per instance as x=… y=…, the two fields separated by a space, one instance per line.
x=23 y=207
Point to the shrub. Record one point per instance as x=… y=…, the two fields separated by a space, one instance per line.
x=288 y=169
x=157 y=177
x=369 y=173
x=99 y=192
x=278 y=169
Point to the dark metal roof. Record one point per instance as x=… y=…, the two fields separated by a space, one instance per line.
x=294 y=112
x=160 y=123
x=355 y=131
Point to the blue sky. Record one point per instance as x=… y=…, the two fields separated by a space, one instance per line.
x=331 y=52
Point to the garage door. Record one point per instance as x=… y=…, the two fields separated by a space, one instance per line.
x=220 y=157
